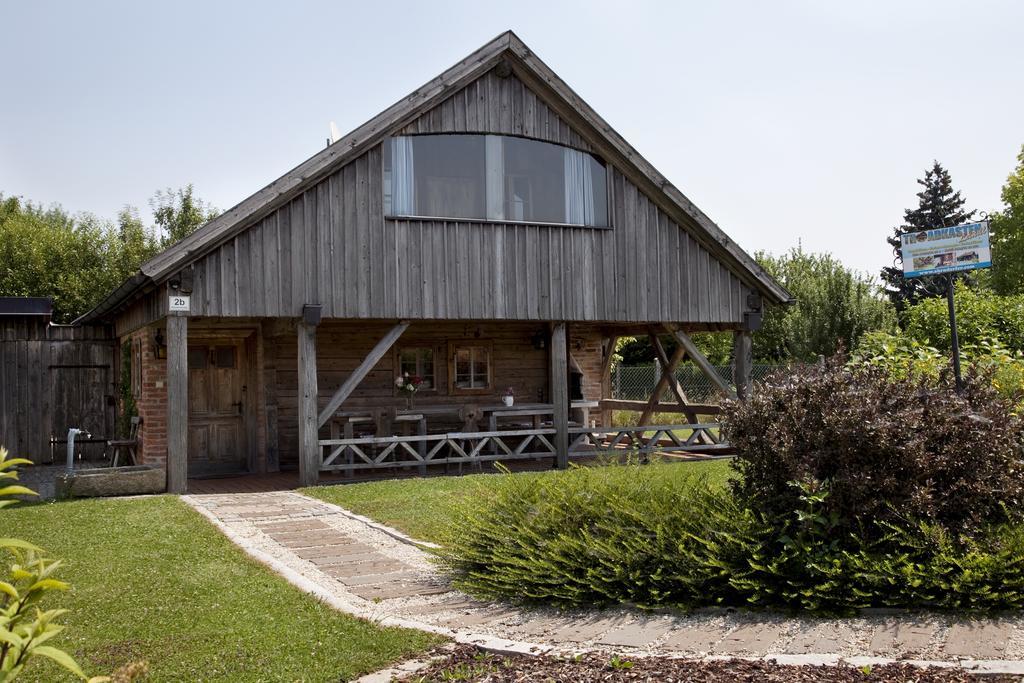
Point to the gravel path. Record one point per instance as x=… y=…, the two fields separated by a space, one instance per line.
x=375 y=572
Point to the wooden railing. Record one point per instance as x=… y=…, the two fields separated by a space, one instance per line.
x=367 y=453
x=698 y=439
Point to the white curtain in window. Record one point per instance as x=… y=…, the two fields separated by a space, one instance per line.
x=403 y=187
x=579 y=188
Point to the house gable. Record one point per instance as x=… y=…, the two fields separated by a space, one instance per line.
x=319 y=234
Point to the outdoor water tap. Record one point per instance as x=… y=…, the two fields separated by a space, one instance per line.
x=72 y=433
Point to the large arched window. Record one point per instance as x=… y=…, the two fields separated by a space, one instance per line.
x=493 y=177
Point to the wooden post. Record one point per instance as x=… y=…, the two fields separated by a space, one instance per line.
x=560 y=392
x=177 y=403
x=742 y=354
x=309 y=449
x=608 y=349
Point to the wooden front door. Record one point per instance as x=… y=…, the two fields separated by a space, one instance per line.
x=216 y=408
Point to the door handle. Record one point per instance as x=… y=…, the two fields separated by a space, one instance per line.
x=238 y=406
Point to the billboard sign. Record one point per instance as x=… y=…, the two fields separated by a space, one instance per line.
x=946 y=250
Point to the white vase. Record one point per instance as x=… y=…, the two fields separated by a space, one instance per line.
x=508 y=400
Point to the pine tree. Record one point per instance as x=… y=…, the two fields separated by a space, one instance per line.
x=939 y=206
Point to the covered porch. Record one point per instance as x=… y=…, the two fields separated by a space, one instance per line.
x=321 y=397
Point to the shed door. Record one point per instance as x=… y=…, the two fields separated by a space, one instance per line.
x=216 y=408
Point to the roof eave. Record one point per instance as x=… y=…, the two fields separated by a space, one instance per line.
x=115 y=300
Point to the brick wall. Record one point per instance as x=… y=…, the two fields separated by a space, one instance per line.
x=585 y=347
x=151 y=398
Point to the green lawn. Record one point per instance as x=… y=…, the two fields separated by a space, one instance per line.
x=153 y=580
x=422 y=507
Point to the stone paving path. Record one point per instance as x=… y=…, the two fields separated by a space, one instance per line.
x=378 y=573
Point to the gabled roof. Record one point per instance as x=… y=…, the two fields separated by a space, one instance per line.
x=507 y=48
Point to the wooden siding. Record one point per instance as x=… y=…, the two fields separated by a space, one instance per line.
x=333 y=245
x=497 y=105
x=53 y=378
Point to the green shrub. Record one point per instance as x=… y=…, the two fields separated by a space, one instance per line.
x=633 y=535
x=888 y=449
x=614 y=534
x=982 y=315
x=903 y=357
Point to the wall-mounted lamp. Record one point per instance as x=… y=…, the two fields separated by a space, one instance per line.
x=540 y=340
x=159 y=344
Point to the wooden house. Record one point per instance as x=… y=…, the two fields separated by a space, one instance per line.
x=489 y=233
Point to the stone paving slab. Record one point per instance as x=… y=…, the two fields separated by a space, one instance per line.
x=535 y=625
x=447 y=606
x=312 y=540
x=977 y=640
x=374 y=566
x=397 y=590
x=310 y=524
x=583 y=629
x=694 y=639
x=463 y=620
x=378 y=579
x=902 y=638
x=639 y=634
x=341 y=550
x=343 y=559
x=750 y=638
x=823 y=638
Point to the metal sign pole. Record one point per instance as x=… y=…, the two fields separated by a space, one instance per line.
x=954 y=339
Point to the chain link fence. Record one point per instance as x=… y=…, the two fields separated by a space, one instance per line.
x=636 y=382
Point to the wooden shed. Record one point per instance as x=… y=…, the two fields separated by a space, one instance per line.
x=489 y=234
x=53 y=378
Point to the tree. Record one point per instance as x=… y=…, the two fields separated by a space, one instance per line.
x=78 y=259
x=834 y=307
x=1008 y=235
x=938 y=206
x=179 y=213
x=75 y=260
x=716 y=347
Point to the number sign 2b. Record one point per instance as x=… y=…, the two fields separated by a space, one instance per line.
x=179 y=302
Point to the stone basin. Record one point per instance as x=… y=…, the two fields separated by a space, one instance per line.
x=112 y=481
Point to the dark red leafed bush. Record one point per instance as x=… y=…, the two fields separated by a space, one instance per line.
x=889 y=450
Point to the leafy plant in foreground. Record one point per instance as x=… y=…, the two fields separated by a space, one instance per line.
x=24 y=627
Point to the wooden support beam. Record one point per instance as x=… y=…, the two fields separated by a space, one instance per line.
x=309 y=448
x=701 y=362
x=360 y=373
x=667 y=373
x=673 y=382
x=608 y=354
x=663 y=360
x=742 y=363
x=560 y=392
x=177 y=403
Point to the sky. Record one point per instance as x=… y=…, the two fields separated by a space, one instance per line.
x=788 y=122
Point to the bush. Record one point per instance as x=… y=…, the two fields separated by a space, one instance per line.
x=888 y=449
x=642 y=536
x=982 y=315
x=903 y=357
x=616 y=534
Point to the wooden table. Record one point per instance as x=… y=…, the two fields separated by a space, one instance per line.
x=536 y=412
